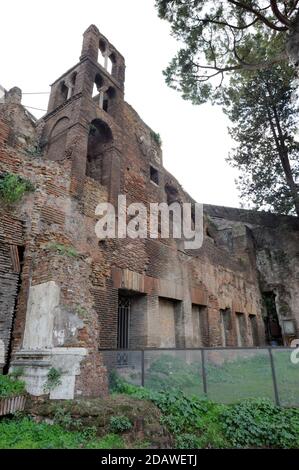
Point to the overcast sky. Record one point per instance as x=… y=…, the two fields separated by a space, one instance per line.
x=41 y=40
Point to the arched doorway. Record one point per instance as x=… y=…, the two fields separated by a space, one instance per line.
x=99 y=143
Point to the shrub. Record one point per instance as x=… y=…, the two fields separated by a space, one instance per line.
x=13 y=188
x=119 y=424
x=187 y=441
x=63 y=249
x=251 y=423
x=118 y=385
x=64 y=419
x=259 y=423
x=53 y=379
x=157 y=138
x=10 y=386
x=82 y=312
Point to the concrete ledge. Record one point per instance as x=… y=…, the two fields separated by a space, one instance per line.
x=37 y=364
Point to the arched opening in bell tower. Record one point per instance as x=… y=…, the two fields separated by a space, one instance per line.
x=99 y=143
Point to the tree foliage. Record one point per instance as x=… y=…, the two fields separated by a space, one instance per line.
x=239 y=54
x=220 y=37
x=262 y=108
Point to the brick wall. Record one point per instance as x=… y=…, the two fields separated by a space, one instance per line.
x=56 y=226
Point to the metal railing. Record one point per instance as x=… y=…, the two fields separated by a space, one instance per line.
x=224 y=375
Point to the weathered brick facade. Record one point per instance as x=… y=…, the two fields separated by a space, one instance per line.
x=63 y=299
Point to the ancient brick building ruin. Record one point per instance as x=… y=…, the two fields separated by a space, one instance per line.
x=64 y=294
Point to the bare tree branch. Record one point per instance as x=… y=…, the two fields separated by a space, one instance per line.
x=242 y=66
x=224 y=23
x=283 y=19
x=258 y=15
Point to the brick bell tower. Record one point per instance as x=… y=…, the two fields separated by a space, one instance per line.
x=84 y=117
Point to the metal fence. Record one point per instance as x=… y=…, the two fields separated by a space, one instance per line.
x=224 y=375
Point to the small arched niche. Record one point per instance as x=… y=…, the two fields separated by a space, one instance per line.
x=108 y=99
x=171 y=193
x=73 y=79
x=111 y=63
x=99 y=142
x=62 y=93
x=57 y=140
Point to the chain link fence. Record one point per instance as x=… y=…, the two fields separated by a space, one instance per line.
x=220 y=374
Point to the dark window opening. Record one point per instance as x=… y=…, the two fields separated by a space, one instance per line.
x=108 y=98
x=111 y=63
x=113 y=58
x=123 y=324
x=123 y=327
x=102 y=46
x=74 y=78
x=62 y=94
x=272 y=326
x=106 y=105
x=154 y=175
x=72 y=84
x=171 y=194
x=64 y=91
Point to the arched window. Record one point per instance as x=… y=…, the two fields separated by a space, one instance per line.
x=98 y=83
x=72 y=84
x=109 y=95
x=103 y=53
x=63 y=92
x=106 y=58
x=171 y=194
x=111 y=63
x=100 y=136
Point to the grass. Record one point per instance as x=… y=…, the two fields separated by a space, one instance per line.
x=168 y=371
x=10 y=386
x=201 y=423
x=24 y=433
x=191 y=422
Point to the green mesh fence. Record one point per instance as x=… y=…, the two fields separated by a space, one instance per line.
x=221 y=375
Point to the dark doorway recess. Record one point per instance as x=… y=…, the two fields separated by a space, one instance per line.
x=272 y=326
x=17 y=259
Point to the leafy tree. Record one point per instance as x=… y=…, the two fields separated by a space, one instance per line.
x=252 y=42
x=265 y=119
x=221 y=36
